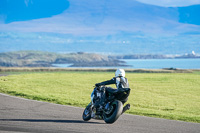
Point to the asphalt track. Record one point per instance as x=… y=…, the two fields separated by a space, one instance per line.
x=22 y=115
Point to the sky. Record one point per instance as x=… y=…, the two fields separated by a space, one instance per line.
x=171 y=3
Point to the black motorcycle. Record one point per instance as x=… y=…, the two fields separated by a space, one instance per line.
x=106 y=104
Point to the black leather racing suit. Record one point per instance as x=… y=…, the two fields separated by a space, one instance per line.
x=120 y=82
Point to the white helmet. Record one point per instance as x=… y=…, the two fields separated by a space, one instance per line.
x=119 y=73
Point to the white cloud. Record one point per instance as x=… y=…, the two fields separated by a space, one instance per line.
x=27 y=2
x=171 y=3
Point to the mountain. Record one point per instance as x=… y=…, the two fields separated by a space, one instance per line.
x=189 y=14
x=49 y=59
x=23 y=10
x=106 y=26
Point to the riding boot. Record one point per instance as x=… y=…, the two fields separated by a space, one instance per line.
x=127 y=107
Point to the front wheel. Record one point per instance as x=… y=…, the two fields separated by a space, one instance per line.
x=87 y=113
x=115 y=110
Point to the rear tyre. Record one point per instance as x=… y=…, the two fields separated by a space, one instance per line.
x=115 y=111
x=87 y=113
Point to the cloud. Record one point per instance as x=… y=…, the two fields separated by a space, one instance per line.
x=27 y=2
x=171 y=3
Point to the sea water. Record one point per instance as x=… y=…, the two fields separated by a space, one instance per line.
x=163 y=63
x=151 y=64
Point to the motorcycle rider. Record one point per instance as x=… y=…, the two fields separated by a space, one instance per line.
x=120 y=81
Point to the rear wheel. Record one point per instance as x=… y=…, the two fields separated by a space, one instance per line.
x=87 y=113
x=114 y=111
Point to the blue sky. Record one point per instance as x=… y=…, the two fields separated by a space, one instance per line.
x=171 y=3
x=100 y=25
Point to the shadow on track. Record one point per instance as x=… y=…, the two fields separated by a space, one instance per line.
x=46 y=120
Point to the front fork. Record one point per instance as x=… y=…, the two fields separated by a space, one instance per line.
x=94 y=113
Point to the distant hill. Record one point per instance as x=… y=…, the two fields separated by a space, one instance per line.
x=190 y=14
x=23 y=10
x=114 y=26
x=47 y=59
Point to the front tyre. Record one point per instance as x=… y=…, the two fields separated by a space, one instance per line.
x=87 y=113
x=115 y=111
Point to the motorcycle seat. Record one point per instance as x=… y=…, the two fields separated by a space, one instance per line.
x=111 y=90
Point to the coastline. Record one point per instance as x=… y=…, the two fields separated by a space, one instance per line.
x=53 y=69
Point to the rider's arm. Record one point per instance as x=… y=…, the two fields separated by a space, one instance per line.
x=108 y=82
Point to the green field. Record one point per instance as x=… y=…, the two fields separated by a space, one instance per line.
x=165 y=95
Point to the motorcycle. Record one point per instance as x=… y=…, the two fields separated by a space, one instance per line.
x=106 y=104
